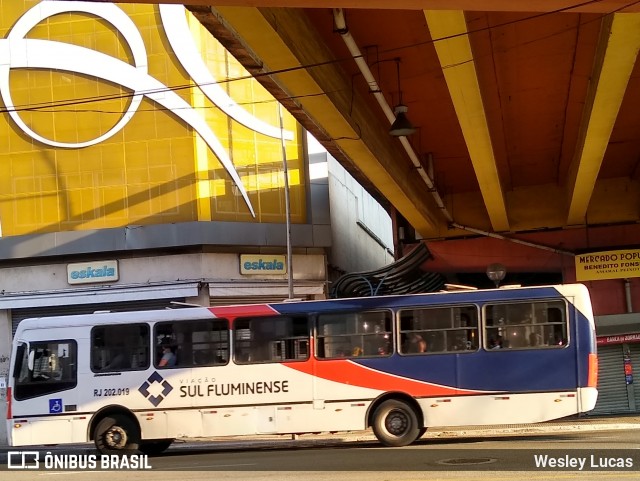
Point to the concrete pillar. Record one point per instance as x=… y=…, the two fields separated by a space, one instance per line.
x=5 y=352
x=202 y=299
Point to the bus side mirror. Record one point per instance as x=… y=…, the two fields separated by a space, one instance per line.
x=32 y=358
x=17 y=367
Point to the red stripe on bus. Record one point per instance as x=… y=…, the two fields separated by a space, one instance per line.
x=353 y=374
x=592 y=378
x=9 y=415
x=241 y=311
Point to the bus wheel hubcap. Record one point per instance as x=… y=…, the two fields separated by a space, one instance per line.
x=116 y=437
x=396 y=423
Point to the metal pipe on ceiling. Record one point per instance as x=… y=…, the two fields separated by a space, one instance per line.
x=374 y=88
x=511 y=239
x=627 y=295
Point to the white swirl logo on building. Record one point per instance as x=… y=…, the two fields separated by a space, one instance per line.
x=17 y=51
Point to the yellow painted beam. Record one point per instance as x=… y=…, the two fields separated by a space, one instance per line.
x=536 y=207
x=600 y=6
x=281 y=40
x=618 y=49
x=448 y=28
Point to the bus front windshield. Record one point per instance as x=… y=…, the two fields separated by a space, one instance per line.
x=45 y=367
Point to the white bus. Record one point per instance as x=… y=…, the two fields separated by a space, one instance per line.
x=397 y=364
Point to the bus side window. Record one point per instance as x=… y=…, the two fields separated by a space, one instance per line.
x=354 y=334
x=199 y=342
x=441 y=329
x=271 y=339
x=120 y=347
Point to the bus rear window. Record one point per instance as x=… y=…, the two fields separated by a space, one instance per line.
x=526 y=325
x=47 y=367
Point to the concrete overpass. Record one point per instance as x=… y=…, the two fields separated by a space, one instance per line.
x=526 y=113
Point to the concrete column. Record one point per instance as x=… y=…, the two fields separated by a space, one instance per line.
x=5 y=352
x=202 y=299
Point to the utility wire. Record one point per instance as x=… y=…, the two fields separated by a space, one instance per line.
x=46 y=106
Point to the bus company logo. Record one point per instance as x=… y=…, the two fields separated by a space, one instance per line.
x=164 y=384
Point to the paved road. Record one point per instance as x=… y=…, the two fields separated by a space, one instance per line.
x=463 y=458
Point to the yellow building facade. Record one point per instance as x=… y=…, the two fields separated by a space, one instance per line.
x=119 y=115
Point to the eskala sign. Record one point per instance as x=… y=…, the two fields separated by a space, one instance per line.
x=97 y=271
x=259 y=264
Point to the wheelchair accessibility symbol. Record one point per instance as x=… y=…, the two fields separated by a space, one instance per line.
x=55 y=406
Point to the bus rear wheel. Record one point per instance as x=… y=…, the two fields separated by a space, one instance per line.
x=116 y=435
x=395 y=423
x=155 y=447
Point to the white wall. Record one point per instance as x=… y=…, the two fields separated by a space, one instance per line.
x=356 y=248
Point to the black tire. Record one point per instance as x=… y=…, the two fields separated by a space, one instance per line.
x=154 y=447
x=395 y=423
x=421 y=432
x=116 y=435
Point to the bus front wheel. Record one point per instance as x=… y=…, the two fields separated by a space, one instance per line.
x=116 y=435
x=395 y=423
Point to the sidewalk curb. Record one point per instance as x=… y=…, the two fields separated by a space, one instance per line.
x=310 y=440
x=433 y=433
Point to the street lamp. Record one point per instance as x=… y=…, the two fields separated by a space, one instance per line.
x=496 y=273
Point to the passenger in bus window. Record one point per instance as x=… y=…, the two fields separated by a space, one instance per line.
x=118 y=361
x=168 y=358
x=416 y=344
x=497 y=343
x=535 y=339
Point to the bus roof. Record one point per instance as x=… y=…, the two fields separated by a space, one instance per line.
x=198 y=313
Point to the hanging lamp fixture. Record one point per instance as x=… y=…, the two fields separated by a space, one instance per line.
x=401 y=126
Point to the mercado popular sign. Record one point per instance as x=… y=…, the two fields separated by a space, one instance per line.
x=608 y=265
x=620 y=339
